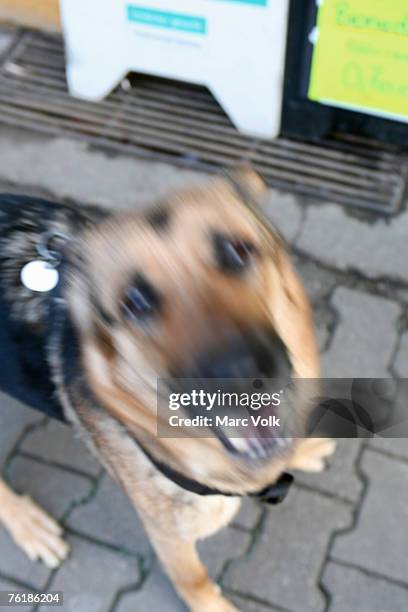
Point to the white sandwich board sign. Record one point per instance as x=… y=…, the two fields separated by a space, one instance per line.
x=236 y=48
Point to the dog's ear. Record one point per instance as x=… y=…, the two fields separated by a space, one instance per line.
x=248 y=183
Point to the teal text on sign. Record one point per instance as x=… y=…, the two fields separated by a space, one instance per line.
x=163 y=19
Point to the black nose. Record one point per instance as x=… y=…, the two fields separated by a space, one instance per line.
x=245 y=357
x=233 y=362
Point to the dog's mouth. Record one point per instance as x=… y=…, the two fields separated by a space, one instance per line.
x=255 y=442
x=244 y=393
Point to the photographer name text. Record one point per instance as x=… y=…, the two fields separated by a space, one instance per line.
x=224 y=421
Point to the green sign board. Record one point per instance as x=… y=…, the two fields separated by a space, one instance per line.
x=360 y=59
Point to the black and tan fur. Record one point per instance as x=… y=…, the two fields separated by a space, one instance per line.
x=104 y=368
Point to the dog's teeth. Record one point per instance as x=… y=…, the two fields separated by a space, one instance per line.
x=253 y=447
x=240 y=444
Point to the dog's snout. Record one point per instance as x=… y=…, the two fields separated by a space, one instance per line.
x=234 y=362
x=244 y=357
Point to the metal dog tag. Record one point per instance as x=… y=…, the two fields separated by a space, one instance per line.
x=39 y=276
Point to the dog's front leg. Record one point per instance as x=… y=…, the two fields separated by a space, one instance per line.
x=173 y=532
x=173 y=519
x=180 y=559
x=37 y=534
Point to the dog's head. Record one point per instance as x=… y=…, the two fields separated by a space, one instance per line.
x=201 y=287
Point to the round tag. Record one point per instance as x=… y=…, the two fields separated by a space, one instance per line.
x=39 y=276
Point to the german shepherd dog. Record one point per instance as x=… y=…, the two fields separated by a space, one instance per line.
x=200 y=287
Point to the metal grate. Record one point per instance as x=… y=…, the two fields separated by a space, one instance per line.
x=183 y=123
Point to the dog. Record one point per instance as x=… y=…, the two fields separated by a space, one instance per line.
x=201 y=287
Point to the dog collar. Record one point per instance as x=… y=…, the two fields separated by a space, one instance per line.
x=272 y=494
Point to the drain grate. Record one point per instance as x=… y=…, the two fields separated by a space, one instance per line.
x=183 y=123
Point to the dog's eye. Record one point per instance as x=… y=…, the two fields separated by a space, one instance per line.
x=233 y=255
x=140 y=301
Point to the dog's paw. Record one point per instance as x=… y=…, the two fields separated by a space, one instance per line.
x=37 y=534
x=310 y=455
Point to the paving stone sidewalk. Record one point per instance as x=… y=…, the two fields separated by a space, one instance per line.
x=340 y=541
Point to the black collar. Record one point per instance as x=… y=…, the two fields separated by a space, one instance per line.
x=272 y=494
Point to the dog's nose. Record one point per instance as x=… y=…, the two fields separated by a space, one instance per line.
x=233 y=362
x=246 y=358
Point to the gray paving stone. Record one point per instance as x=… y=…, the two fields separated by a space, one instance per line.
x=227 y=544
x=379 y=541
x=92 y=577
x=69 y=169
x=365 y=337
x=364 y=593
x=249 y=514
x=375 y=249
x=323 y=337
x=5 y=585
x=340 y=478
x=284 y=212
x=110 y=517
x=14 y=418
x=57 y=442
x=401 y=359
x=324 y=319
x=54 y=489
x=284 y=565
x=156 y=594
x=14 y=563
x=395 y=446
x=317 y=281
